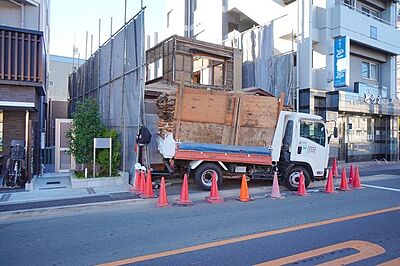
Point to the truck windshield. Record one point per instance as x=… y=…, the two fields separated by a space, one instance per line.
x=314 y=131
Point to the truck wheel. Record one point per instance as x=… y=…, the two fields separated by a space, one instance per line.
x=203 y=175
x=293 y=177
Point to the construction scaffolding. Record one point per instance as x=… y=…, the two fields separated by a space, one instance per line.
x=114 y=75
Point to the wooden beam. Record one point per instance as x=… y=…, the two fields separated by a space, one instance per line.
x=2 y=55
x=22 y=61
x=29 y=57
x=16 y=57
x=9 y=55
x=178 y=107
x=35 y=55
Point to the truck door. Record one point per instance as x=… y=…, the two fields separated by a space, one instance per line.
x=312 y=145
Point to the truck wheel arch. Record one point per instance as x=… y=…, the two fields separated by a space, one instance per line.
x=302 y=164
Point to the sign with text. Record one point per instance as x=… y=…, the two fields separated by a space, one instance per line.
x=102 y=143
x=341 y=62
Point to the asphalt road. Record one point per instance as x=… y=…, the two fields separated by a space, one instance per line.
x=239 y=233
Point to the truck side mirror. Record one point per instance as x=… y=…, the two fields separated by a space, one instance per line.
x=335 y=132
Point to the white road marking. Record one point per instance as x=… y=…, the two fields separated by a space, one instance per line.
x=384 y=188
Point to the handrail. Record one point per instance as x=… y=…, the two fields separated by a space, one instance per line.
x=341 y=2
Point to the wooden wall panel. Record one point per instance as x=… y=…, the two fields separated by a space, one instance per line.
x=249 y=136
x=225 y=118
x=204 y=106
x=201 y=132
x=260 y=112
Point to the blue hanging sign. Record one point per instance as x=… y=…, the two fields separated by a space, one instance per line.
x=341 y=62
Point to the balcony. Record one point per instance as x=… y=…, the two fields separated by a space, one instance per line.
x=365 y=28
x=22 y=58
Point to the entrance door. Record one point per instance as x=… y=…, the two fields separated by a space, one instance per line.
x=63 y=161
x=311 y=146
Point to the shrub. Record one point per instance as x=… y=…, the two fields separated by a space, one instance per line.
x=86 y=125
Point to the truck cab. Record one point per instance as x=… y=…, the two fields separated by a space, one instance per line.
x=300 y=144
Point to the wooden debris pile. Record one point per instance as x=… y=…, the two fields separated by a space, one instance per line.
x=166 y=105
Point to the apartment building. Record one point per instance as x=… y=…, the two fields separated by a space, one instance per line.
x=24 y=35
x=346 y=50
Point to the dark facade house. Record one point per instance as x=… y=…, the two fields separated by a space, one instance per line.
x=22 y=90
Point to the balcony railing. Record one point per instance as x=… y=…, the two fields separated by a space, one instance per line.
x=22 y=56
x=358 y=10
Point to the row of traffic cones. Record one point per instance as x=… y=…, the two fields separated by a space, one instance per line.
x=143 y=187
x=354 y=181
x=354 y=177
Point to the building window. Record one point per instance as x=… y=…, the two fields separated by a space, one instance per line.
x=1 y=131
x=373 y=32
x=169 y=18
x=369 y=70
x=370 y=12
x=313 y=131
x=208 y=70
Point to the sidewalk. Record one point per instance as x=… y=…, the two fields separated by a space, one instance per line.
x=54 y=190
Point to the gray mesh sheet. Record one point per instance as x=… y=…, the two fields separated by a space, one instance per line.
x=261 y=68
x=104 y=55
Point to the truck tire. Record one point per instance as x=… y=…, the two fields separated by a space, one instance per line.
x=203 y=175
x=293 y=175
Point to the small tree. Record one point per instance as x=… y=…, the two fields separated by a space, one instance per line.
x=86 y=125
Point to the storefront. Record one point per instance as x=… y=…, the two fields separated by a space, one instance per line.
x=366 y=119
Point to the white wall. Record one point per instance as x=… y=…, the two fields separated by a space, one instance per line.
x=207 y=23
x=59 y=70
x=177 y=18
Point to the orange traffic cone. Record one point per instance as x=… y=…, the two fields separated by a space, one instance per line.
x=275 y=194
x=148 y=190
x=334 y=168
x=162 y=200
x=329 y=183
x=344 y=186
x=142 y=184
x=214 y=195
x=301 y=191
x=184 y=198
x=244 y=191
x=135 y=187
x=356 y=180
x=351 y=174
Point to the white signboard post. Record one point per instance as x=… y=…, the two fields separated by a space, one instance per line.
x=101 y=143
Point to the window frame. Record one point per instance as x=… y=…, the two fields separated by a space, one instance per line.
x=323 y=140
x=369 y=72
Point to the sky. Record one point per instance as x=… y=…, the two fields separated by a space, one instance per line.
x=70 y=19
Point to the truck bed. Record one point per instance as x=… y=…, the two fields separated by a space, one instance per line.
x=224 y=153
